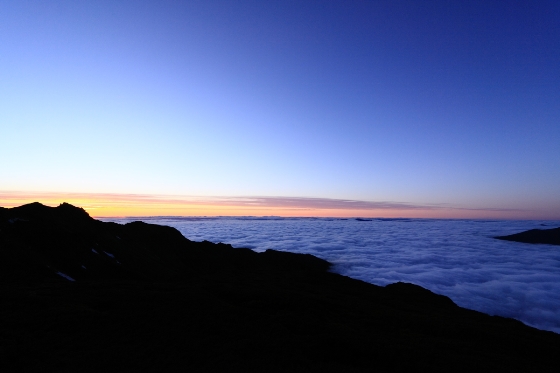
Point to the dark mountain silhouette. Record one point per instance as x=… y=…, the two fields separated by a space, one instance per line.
x=81 y=295
x=548 y=236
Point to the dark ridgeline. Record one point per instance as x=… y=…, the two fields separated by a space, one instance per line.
x=548 y=236
x=147 y=299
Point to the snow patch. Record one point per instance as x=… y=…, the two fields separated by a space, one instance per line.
x=65 y=276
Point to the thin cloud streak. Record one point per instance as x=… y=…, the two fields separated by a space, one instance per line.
x=116 y=204
x=331 y=203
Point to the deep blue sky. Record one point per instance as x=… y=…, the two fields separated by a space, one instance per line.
x=422 y=102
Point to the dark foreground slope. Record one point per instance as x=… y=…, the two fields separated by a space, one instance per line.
x=147 y=299
x=548 y=236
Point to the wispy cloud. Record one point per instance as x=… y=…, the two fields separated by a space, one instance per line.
x=334 y=204
x=121 y=204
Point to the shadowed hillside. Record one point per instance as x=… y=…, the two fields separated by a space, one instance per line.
x=80 y=295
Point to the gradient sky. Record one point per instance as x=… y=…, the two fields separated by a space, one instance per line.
x=451 y=107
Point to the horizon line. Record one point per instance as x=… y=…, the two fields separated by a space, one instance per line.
x=128 y=205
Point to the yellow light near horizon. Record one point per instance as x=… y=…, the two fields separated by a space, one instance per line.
x=130 y=205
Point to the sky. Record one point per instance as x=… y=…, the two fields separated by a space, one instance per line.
x=318 y=108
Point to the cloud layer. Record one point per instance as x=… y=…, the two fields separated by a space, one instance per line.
x=457 y=258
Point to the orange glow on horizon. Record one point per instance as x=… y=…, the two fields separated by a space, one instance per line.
x=130 y=205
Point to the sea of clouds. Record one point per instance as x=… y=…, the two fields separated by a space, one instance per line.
x=456 y=258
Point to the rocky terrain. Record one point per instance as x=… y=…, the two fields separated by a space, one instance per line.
x=81 y=295
x=548 y=236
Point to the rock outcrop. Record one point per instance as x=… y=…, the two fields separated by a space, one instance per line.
x=547 y=236
x=83 y=295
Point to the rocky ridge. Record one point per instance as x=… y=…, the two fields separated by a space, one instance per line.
x=81 y=295
x=546 y=236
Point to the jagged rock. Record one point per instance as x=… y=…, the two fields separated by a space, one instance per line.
x=145 y=298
